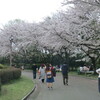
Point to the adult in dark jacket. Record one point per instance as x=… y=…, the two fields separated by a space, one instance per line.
x=34 y=68
x=65 y=74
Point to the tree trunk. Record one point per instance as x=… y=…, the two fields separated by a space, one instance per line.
x=94 y=64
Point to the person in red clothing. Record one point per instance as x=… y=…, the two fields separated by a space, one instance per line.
x=53 y=70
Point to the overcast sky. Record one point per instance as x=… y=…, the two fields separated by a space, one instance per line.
x=28 y=10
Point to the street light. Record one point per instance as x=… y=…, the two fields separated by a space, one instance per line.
x=11 y=41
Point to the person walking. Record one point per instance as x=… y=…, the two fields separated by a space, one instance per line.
x=98 y=71
x=49 y=77
x=65 y=73
x=53 y=70
x=42 y=73
x=34 y=68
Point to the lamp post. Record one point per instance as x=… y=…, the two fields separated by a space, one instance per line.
x=11 y=41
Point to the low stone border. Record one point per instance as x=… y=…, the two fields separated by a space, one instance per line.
x=25 y=98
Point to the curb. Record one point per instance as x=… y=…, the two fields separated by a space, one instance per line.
x=25 y=98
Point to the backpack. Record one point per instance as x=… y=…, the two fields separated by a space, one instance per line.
x=53 y=70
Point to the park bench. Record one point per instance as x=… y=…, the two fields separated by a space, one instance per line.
x=86 y=72
x=89 y=72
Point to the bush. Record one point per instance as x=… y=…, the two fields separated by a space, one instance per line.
x=16 y=73
x=9 y=74
x=0 y=84
x=1 y=66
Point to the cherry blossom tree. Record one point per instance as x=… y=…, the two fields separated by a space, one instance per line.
x=78 y=27
x=66 y=32
x=23 y=33
x=87 y=19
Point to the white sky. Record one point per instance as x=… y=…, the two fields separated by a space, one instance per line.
x=28 y=10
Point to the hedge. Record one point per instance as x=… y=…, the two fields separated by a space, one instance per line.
x=0 y=84
x=9 y=74
x=1 y=66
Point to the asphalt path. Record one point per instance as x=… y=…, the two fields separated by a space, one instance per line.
x=78 y=89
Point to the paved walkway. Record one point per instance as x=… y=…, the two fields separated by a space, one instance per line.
x=78 y=89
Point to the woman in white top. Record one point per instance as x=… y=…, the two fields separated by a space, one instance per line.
x=98 y=71
x=42 y=73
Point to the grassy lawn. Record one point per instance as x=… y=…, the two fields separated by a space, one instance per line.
x=17 y=89
x=91 y=76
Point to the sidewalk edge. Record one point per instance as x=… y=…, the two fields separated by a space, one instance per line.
x=25 y=97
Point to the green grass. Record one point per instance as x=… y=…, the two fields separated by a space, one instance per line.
x=17 y=89
x=91 y=76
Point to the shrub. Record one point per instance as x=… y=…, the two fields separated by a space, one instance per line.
x=9 y=74
x=1 y=66
x=16 y=73
x=0 y=84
